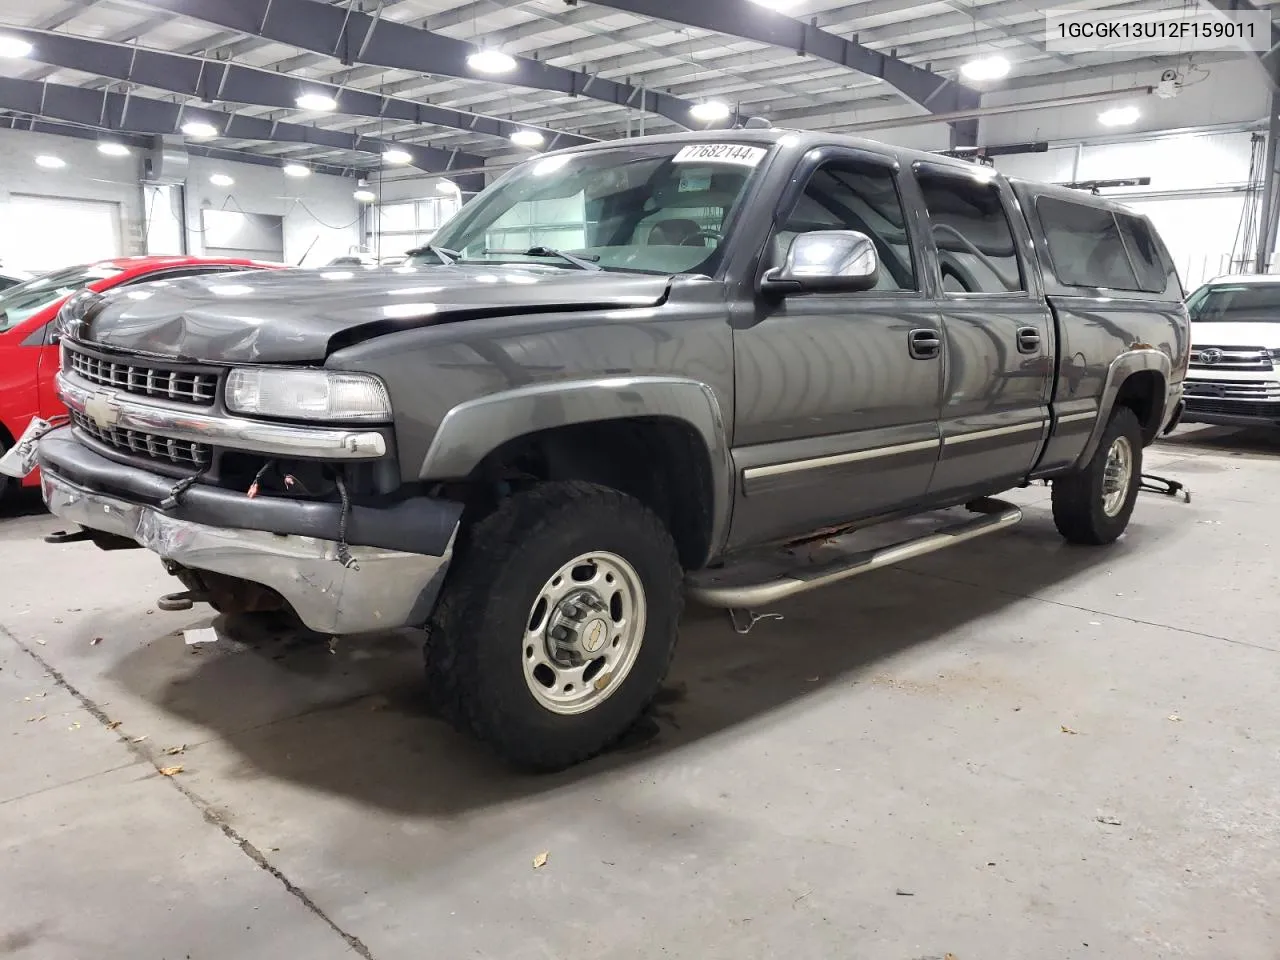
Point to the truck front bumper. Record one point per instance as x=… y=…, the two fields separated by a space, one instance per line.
x=387 y=587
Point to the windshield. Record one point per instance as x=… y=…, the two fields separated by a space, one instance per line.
x=25 y=300
x=1236 y=302
x=656 y=208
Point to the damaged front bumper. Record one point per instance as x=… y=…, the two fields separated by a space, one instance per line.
x=401 y=552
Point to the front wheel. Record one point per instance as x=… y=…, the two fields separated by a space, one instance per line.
x=1093 y=506
x=557 y=624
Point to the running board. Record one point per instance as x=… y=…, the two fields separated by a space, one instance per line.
x=712 y=588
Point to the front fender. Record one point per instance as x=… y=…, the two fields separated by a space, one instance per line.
x=471 y=430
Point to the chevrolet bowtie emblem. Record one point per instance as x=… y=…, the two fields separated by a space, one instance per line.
x=102 y=410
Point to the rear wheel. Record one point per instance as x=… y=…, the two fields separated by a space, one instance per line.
x=557 y=624
x=1094 y=505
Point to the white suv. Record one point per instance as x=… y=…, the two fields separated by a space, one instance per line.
x=1234 y=377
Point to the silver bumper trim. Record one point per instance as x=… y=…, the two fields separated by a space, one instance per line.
x=112 y=408
x=389 y=589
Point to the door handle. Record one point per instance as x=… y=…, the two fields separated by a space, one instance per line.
x=1028 y=340
x=924 y=344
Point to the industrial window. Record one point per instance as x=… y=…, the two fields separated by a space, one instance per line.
x=395 y=228
x=976 y=252
x=1088 y=250
x=855 y=196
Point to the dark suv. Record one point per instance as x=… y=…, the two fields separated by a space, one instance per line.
x=621 y=375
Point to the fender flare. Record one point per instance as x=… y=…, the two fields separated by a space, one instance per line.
x=1122 y=368
x=473 y=429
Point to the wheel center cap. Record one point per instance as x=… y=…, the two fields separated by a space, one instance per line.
x=594 y=634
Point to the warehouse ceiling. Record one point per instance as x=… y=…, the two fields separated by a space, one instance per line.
x=403 y=75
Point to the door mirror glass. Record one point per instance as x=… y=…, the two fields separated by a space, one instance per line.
x=826 y=261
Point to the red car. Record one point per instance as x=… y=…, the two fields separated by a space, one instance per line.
x=28 y=357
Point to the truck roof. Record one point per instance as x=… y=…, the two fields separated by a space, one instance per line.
x=800 y=139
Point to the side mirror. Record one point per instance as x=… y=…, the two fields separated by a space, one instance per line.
x=825 y=261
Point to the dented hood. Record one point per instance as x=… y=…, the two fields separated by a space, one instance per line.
x=300 y=316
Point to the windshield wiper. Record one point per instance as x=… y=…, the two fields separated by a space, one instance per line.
x=582 y=263
x=447 y=257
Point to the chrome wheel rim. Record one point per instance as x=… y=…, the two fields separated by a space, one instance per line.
x=1116 y=476
x=583 y=633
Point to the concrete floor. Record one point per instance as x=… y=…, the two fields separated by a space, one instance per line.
x=1013 y=750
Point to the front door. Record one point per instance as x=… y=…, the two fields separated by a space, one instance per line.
x=838 y=394
x=999 y=335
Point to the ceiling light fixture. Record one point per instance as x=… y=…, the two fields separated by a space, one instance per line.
x=199 y=129
x=50 y=162
x=1119 y=116
x=316 y=102
x=778 y=5
x=365 y=196
x=13 y=47
x=447 y=186
x=527 y=138
x=491 y=61
x=112 y=149
x=986 y=69
x=708 y=111
x=221 y=180
x=296 y=170
x=396 y=155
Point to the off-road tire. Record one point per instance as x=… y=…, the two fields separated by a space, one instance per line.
x=1078 y=498
x=475 y=637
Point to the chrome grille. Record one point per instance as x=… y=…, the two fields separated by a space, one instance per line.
x=1233 y=389
x=184 y=386
x=1251 y=359
x=181 y=452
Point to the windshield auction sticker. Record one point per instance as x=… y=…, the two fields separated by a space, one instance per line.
x=721 y=153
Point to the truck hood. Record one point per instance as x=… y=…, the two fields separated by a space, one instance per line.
x=1217 y=333
x=301 y=316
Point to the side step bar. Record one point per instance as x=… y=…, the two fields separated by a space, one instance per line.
x=996 y=515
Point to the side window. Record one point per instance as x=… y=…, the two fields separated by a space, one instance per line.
x=976 y=250
x=1085 y=245
x=1146 y=252
x=846 y=195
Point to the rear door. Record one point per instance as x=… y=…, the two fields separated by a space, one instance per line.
x=997 y=328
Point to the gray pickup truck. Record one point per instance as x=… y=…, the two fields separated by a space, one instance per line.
x=693 y=365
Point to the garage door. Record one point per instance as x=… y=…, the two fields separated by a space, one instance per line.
x=47 y=233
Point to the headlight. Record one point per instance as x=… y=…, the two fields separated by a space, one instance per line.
x=308 y=395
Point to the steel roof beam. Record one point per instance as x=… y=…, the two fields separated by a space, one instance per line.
x=220 y=80
x=128 y=113
x=353 y=37
x=750 y=21
x=141 y=142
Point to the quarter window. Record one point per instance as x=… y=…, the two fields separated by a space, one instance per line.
x=1150 y=261
x=1085 y=245
x=976 y=251
x=847 y=195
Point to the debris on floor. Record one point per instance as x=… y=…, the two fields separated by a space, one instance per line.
x=1109 y=821
x=171 y=771
x=201 y=635
x=1175 y=718
x=541 y=859
x=95 y=641
x=174 y=751
x=1066 y=729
